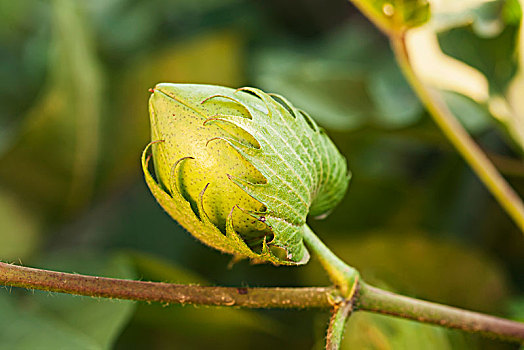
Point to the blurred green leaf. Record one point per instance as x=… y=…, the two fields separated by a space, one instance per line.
x=396 y=104
x=26 y=329
x=516 y=309
x=368 y=331
x=495 y=57
x=20 y=228
x=345 y=82
x=127 y=27
x=59 y=138
x=156 y=269
x=24 y=45
x=512 y=12
x=473 y=116
x=58 y=321
x=204 y=324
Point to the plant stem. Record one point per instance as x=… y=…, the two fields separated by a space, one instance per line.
x=459 y=137
x=167 y=293
x=367 y=298
x=335 y=333
x=344 y=276
x=377 y=300
x=447 y=122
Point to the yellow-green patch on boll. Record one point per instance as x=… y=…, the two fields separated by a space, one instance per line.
x=185 y=133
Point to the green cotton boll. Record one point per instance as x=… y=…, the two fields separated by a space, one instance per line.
x=241 y=169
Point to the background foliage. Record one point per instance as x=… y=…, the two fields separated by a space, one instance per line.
x=73 y=122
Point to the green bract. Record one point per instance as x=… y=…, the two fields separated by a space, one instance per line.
x=241 y=169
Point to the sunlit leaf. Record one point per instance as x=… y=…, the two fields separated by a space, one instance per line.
x=397 y=15
x=495 y=57
x=477 y=55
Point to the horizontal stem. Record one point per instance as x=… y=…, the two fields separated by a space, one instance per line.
x=368 y=298
x=167 y=293
x=377 y=300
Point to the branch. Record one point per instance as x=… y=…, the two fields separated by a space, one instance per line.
x=167 y=293
x=344 y=277
x=380 y=301
x=335 y=332
x=367 y=298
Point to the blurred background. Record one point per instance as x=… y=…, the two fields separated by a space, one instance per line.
x=74 y=79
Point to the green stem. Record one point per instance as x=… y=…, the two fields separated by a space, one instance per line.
x=367 y=298
x=335 y=333
x=460 y=139
x=165 y=293
x=377 y=300
x=343 y=276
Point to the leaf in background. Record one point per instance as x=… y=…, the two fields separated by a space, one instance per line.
x=154 y=268
x=24 y=44
x=58 y=321
x=207 y=326
x=372 y=331
x=472 y=115
x=127 y=27
x=516 y=309
x=19 y=229
x=345 y=82
x=333 y=94
x=27 y=329
x=494 y=56
x=52 y=165
x=396 y=104
x=477 y=54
